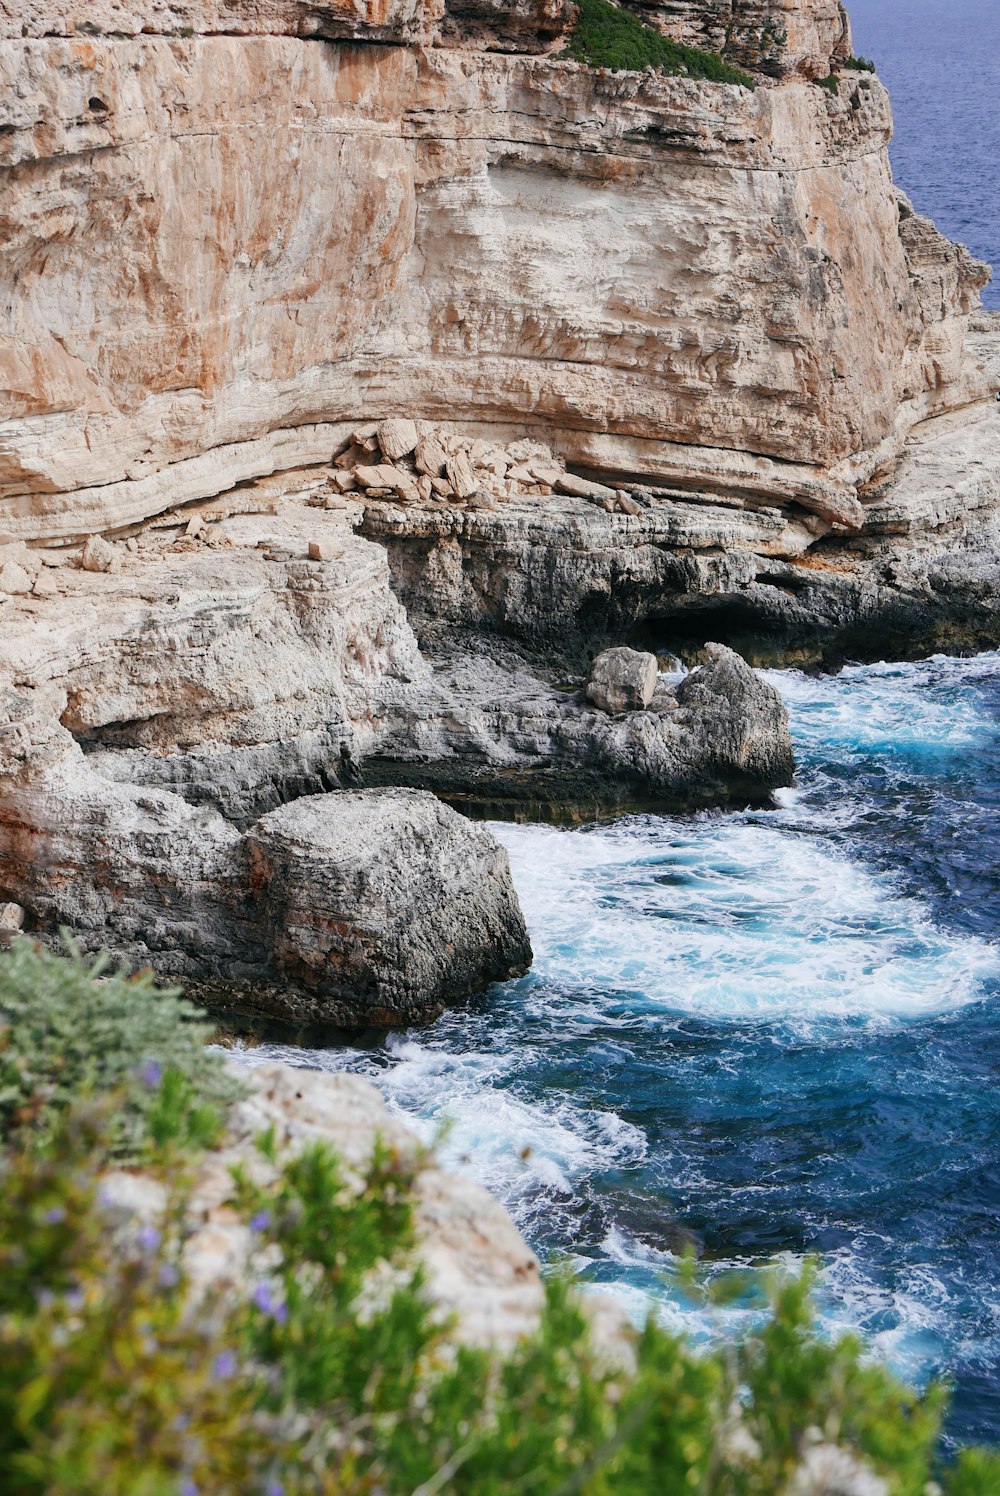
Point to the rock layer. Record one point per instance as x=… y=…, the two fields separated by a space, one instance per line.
x=220 y=247
x=183 y=737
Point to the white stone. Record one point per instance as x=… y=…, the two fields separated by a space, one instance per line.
x=461 y=475
x=98 y=555
x=325 y=550
x=396 y=437
x=622 y=680
x=14 y=579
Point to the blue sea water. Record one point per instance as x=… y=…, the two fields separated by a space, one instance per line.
x=941 y=62
x=766 y=1034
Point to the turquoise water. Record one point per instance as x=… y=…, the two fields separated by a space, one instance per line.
x=764 y=1034
x=941 y=62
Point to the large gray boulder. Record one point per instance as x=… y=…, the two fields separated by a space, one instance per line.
x=622 y=680
x=387 y=901
x=345 y=910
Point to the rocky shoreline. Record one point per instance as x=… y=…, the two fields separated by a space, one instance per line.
x=321 y=503
x=188 y=733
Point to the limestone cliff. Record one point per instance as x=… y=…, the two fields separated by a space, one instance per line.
x=232 y=227
x=389 y=364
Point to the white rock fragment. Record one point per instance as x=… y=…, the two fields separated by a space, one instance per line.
x=11 y=921
x=14 y=579
x=388 y=477
x=45 y=585
x=582 y=488
x=622 y=680
x=461 y=475
x=99 y=555
x=396 y=437
x=430 y=457
x=324 y=550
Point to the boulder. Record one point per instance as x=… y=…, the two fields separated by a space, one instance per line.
x=98 y=554
x=384 y=475
x=325 y=550
x=396 y=437
x=430 y=457
x=580 y=488
x=622 y=680
x=461 y=475
x=14 y=579
x=11 y=922
x=388 y=900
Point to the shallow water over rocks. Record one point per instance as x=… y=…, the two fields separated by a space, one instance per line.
x=769 y=1033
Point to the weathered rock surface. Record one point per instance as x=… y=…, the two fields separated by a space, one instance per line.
x=477 y=1268
x=572 y=577
x=387 y=901
x=183 y=740
x=337 y=912
x=702 y=284
x=596 y=357
x=807 y=37
x=495 y=736
x=622 y=680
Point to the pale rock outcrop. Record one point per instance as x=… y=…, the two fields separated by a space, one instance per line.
x=701 y=284
x=622 y=680
x=183 y=741
x=14 y=579
x=675 y=570
x=477 y=1268
x=777 y=37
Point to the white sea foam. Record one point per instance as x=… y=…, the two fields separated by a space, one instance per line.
x=761 y=921
x=733 y=919
x=925 y=707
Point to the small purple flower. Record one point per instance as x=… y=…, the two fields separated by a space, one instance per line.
x=55 y=1216
x=149 y=1238
x=225 y=1365
x=168 y=1276
x=267 y=1304
x=45 y=1297
x=151 y=1074
x=263 y=1298
x=260 y=1221
x=189 y=1488
x=274 y=1488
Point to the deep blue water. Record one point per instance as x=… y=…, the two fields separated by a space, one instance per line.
x=769 y=1034
x=941 y=62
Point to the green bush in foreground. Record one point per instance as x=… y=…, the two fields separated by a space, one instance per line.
x=333 y=1377
x=605 y=36
x=330 y=1376
x=69 y=1030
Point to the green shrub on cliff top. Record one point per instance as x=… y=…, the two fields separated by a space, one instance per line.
x=69 y=1029
x=605 y=36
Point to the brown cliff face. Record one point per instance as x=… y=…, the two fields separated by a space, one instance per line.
x=779 y=38
x=220 y=247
